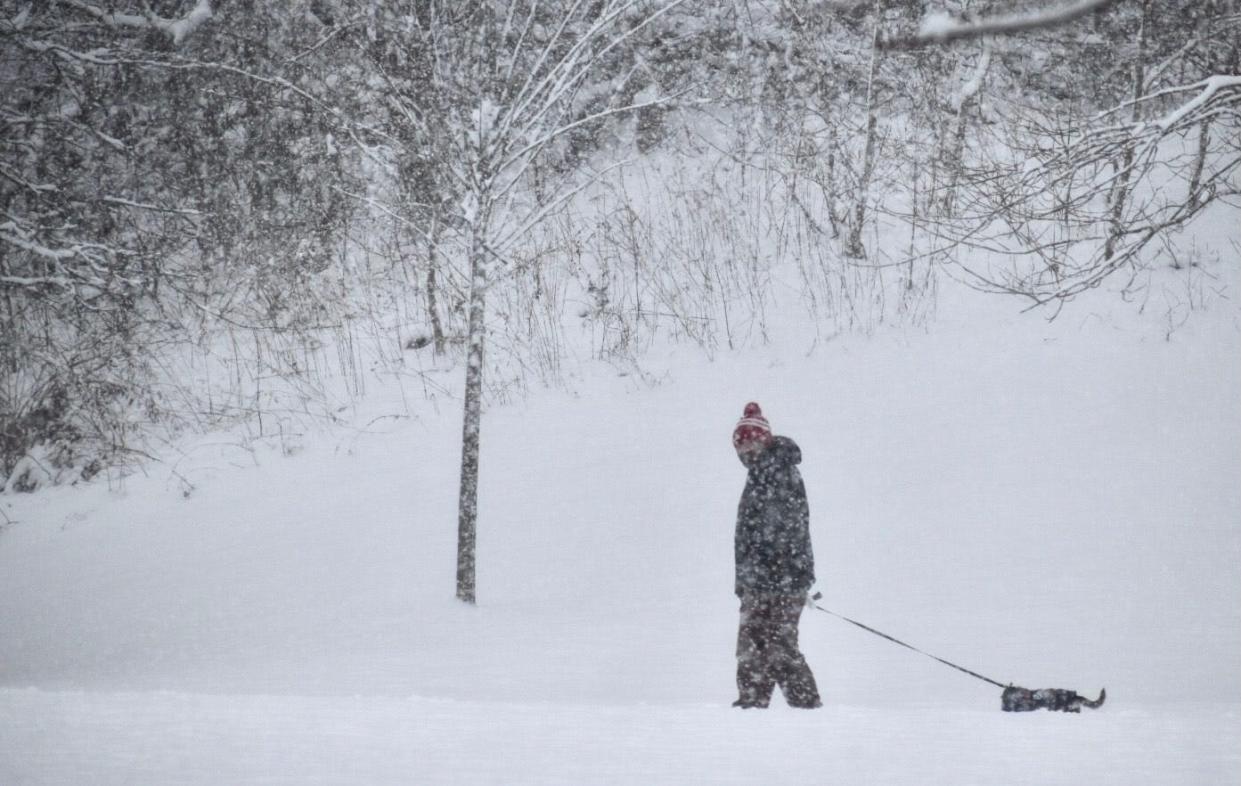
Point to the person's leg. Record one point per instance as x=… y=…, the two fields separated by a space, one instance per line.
x=788 y=665
x=754 y=680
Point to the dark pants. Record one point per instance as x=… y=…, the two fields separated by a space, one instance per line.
x=767 y=653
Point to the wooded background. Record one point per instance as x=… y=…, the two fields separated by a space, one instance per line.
x=217 y=212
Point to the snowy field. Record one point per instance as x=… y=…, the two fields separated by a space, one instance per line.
x=1053 y=504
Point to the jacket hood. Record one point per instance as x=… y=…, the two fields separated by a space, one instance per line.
x=782 y=452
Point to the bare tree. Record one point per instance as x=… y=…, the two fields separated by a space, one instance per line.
x=1071 y=204
x=496 y=90
x=156 y=178
x=86 y=217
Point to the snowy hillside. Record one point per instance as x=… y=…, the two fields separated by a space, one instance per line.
x=1053 y=504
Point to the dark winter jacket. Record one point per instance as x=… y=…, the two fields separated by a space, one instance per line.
x=772 y=542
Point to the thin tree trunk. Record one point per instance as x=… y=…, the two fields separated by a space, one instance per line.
x=467 y=519
x=9 y=326
x=854 y=247
x=913 y=226
x=437 y=326
x=830 y=192
x=1120 y=194
x=1195 y=180
x=955 y=162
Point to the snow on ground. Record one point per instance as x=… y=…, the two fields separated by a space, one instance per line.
x=171 y=738
x=1053 y=504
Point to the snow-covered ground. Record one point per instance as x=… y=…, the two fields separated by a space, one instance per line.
x=172 y=738
x=1053 y=504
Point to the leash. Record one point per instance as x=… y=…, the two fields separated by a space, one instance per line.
x=903 y=644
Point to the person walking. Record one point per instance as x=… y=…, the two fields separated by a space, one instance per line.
x=774 y=567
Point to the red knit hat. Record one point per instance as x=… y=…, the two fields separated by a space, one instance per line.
x=752 y=431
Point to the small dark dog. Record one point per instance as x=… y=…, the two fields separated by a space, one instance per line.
x=1025 y=700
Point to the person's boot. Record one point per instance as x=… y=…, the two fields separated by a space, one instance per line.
x=800 y=689
x=812 y=704
x=750 y=704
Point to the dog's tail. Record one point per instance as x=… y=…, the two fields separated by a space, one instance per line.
x=1097 y=703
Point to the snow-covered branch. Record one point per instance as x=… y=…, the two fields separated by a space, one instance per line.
x=942 y=28
x=177 y=29
x=972 y=87
x=1208 y=90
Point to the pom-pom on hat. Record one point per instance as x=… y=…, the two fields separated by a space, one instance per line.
x=752 y=431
